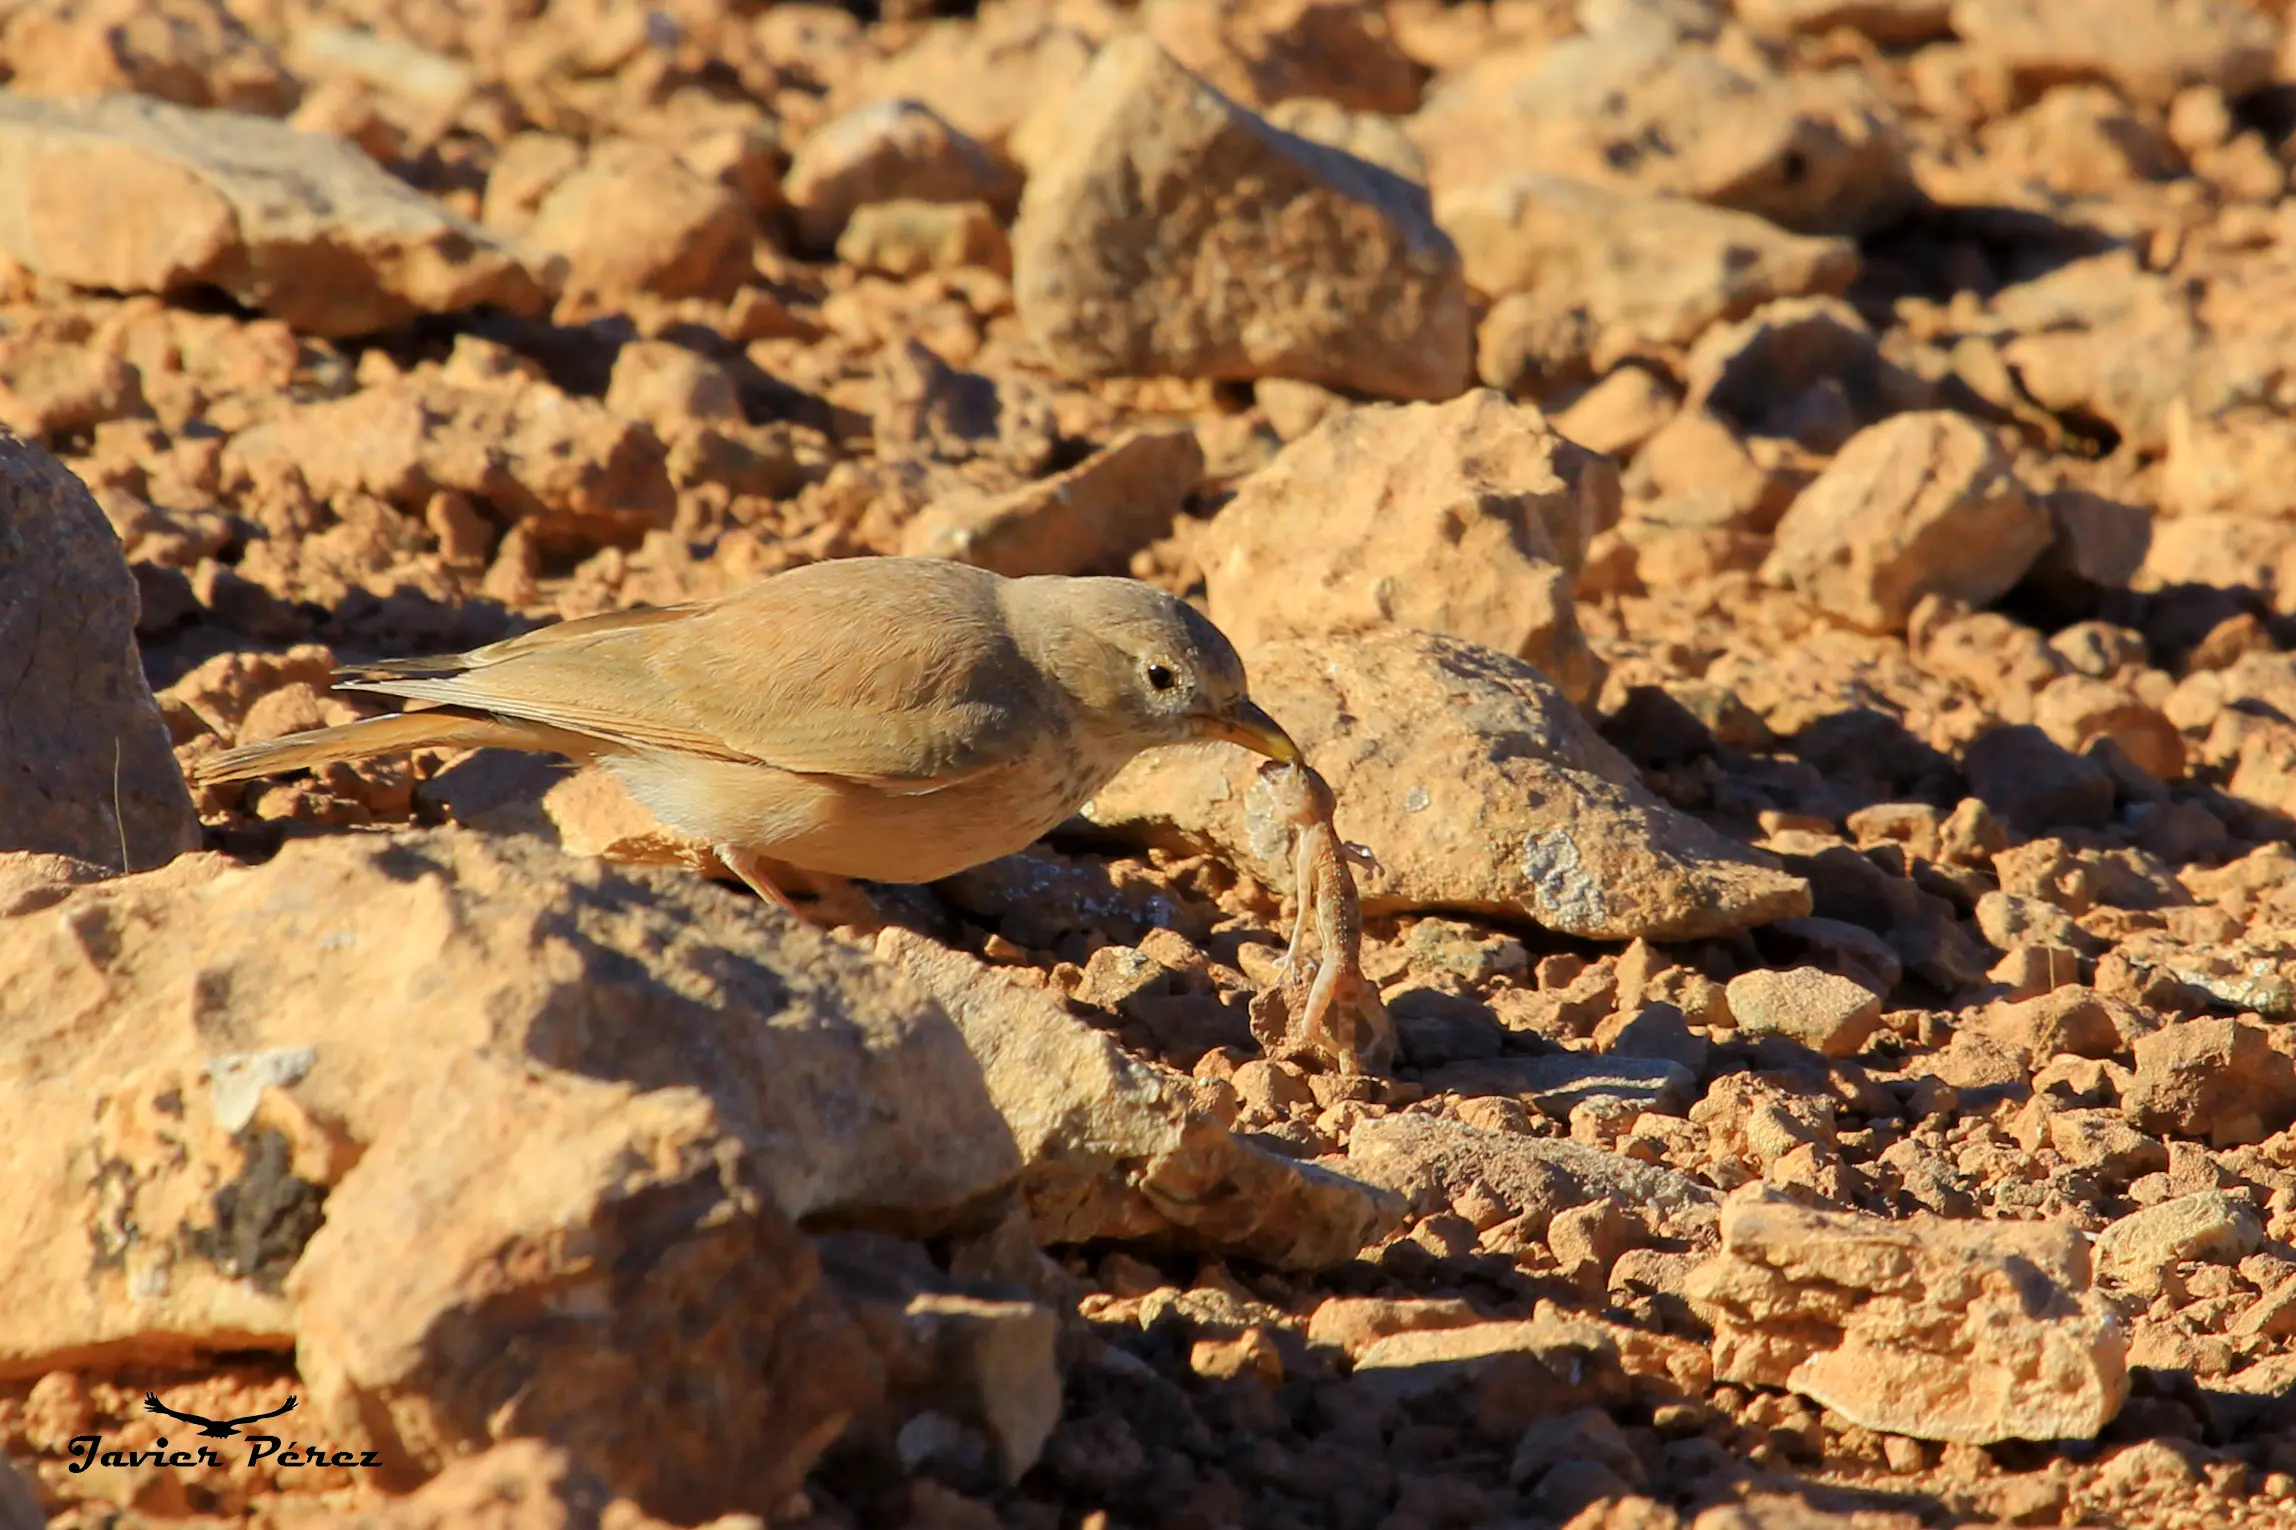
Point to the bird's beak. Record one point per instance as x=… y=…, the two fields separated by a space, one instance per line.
x=1244 y=723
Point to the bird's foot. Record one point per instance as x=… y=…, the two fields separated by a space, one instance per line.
x=750 y=867
x=832 y=902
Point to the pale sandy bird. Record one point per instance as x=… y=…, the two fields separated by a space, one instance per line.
x=898 y=719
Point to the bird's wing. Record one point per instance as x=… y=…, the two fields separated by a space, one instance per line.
x=255 y=1418
x=152 y=1404
x=568 y=676
x=908 y=682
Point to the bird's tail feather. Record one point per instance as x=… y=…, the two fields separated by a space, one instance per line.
x=372 y=736
x=383 y=671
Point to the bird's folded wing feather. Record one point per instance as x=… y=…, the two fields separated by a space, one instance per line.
x=909 y=690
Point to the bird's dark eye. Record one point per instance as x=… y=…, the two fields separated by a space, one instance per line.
x=1161 y=678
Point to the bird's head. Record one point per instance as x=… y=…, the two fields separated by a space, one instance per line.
x=1151 y=666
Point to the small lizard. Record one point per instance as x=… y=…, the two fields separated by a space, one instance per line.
x=1327 y=898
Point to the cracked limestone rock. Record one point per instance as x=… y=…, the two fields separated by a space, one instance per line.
x=1926 y=503
x=1114 y=1147
x=528 y=1144
x=1975 y=1332
x=299 y=225
x=1173 y=233
x=1431 y=1162
x=85 y=768
x=1816 y=151
x=1470 y=518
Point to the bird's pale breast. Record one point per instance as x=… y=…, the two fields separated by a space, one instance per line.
x=847 y=828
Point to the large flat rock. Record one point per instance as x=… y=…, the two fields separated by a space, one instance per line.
x=1477 y=785
x=497 y=1141
x=136 y=195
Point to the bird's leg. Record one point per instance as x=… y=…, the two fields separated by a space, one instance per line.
x=750 y=867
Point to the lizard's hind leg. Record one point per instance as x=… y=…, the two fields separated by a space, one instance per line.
x=1304 y=883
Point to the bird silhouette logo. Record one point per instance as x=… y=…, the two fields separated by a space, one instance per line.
x=214 y=1428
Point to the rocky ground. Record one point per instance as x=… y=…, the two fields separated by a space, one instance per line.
x=1774 y=516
